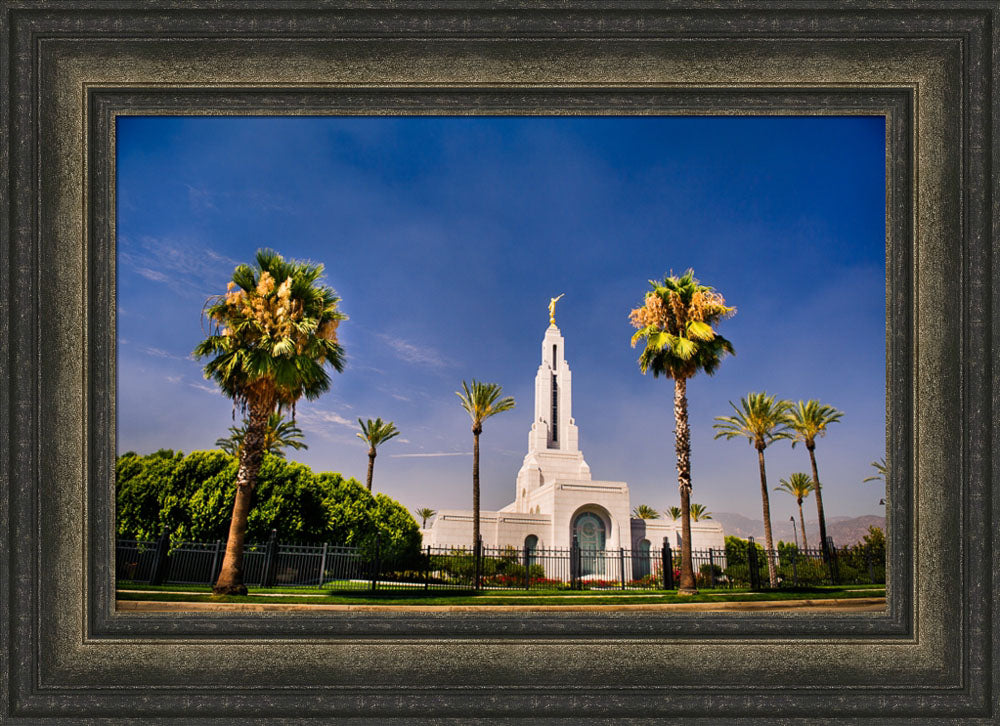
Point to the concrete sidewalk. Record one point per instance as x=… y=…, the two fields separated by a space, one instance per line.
x=848 y=605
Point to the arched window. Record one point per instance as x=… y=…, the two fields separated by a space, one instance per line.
x=641 y=562
x=530 y=545
x=590 y=533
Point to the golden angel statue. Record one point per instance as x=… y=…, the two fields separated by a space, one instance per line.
x=552 y=307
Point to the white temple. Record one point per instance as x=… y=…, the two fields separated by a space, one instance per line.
x=555 y=495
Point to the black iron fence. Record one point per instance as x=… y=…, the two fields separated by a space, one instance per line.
x=338 y=568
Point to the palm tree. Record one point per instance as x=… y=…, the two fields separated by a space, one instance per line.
x=699 y=513
x=809 y=419
x=761 y=420
x=676 y=322
x=280 y=434
x=374 y=433
x=799 y=485
x=480 y=401
x=425 y=513
x=270 y=338
x=881 y=471
x=674 y=513
x=644 y=511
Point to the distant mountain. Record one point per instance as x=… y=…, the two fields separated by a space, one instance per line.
x=843 y=530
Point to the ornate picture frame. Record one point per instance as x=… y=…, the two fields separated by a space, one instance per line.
x=70 y=68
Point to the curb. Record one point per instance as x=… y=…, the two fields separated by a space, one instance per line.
x=860 y=604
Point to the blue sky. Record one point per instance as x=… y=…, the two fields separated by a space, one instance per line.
x=446 y=237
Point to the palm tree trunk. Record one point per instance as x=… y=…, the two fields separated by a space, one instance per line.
x=682 y=445
x=475 y=489
x=769 y=541
x=802 y=525
x=371 y=466
x=230 y=580
x=819 y=504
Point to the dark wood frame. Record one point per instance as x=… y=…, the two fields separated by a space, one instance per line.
x=69 y=68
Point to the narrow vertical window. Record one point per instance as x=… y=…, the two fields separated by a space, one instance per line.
x=555 y=410
x=553 y=357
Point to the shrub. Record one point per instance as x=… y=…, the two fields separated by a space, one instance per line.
x=705 y=575
x=191 y=497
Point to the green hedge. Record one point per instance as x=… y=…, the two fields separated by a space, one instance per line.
x=192 y=498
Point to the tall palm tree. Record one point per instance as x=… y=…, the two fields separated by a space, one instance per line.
x=480 y=401
x=425 y=513
x=674 y=513
x=699 y=513
x=271 y=336
x=809 y=419
x=280 y=435
x=761 y=420
x=676 y=322
x=644 y=511
x=881 y=470
x=374 y=433
x=800 y=486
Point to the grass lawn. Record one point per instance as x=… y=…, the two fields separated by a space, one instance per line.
x=188 y=593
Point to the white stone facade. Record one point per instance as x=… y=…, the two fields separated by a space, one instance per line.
x=555 y=497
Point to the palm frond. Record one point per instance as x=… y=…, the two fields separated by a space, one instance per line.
x=759 y=418
x=279 y=435
x=675 y=321
x=699 y=513
x=482 y=400
x=799 y=485
x=377 y=432
x=272 y=332
x=881 y=471
x=644 y=511
x=809 y=419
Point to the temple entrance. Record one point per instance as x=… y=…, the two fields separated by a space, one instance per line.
x=590 y=536
x=641 y=560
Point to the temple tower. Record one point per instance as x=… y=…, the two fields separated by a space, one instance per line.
x=553 y=442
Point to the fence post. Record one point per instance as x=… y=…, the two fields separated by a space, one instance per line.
x=871 y=568
x=574 y=564
x=621 y=560
x=527 y=567
x=834 y=565
x=752 y=564
x=795 y=566
x=322 y=564
x=161 y=563
x=711 y=566
x=668 y=566
x=376 y=562
x=270 y=559
x=214 y=572
x=478 y=557
x=427 y=569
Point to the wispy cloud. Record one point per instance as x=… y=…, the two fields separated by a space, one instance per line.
x=173 y=379
x=200 y=198
x=207 y=389
x=321 y=416
x=190 y=270
x=160 y=353
x=432 y=455
x=411 y=353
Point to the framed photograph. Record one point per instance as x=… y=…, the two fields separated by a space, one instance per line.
x=80 y=76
